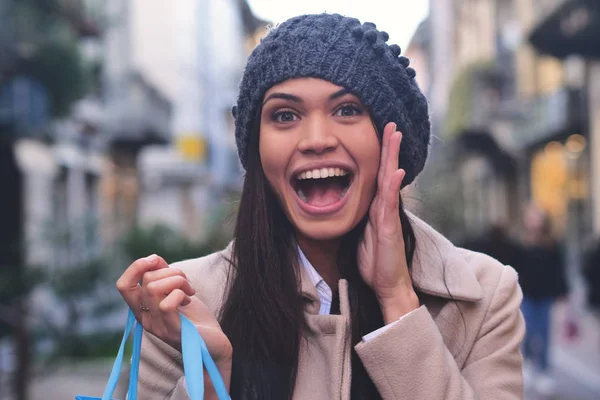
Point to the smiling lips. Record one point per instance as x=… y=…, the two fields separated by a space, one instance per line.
x=322 y=190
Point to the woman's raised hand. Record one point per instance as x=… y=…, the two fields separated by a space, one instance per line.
x=381 y=253
x=157 y=294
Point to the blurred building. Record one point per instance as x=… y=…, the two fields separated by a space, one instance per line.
x=418 y=51
x=466 y=54
x=569 y=32
x=50 y=118
x=184 y=185
x=137 y=115
x=52 y=121
x=513 y=117
x=119 y=113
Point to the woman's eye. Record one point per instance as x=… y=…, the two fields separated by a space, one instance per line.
x=284 y=116
x=348 y=110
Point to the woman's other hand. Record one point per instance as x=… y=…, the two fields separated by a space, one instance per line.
x=381 y=254
x=157 y=294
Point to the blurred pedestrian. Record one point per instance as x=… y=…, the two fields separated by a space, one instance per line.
x=542 y=278
x=591 y=273
x=497 y=243
x=330 y=289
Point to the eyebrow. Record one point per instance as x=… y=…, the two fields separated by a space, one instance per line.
x=339 y=94
x=296 y=99
x=284 y=96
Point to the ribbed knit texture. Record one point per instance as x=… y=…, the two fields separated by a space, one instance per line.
x=347 y=53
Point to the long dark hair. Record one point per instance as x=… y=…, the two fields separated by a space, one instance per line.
x=263 y=312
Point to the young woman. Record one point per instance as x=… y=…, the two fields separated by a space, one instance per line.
x=330 y=289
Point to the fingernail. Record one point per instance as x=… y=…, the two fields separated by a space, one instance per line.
x=151 y=259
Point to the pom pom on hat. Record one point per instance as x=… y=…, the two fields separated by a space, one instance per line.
x=371 y=36
x=358 y=32
x=404 y=61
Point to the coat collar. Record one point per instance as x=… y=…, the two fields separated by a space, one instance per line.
x=435 y=258
x=439 y=268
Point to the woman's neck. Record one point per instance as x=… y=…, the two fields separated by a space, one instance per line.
x=323 y=255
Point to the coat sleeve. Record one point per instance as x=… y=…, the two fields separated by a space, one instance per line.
x=411 y=360
x=161 y=374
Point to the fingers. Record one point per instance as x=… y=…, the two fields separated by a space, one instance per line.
x=158 y=285
x=158 y=289
x=387 y=132
x=134 y=273
x=392 y=197
x=155 y=281
x=128 y=284
x=174 y=300
x=394 y=153
x=391 y=222
x=390 y=154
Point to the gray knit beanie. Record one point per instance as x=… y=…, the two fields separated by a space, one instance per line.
x=342 y=51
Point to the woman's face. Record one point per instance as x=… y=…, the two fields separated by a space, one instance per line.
x=320 y=153
x=535 y=220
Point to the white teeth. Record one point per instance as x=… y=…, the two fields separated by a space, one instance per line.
x=322 y=173
x=302 y=195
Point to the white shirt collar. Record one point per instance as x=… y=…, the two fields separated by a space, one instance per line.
x=323 y=290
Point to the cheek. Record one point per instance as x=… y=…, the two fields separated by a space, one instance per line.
x=274 y=157
x=266 y=158
x=366 y=151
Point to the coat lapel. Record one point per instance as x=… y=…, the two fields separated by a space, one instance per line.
x=439 y=268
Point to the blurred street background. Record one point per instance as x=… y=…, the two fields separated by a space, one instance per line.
x=116 y=142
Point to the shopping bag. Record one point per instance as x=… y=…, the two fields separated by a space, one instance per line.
x=195 y=358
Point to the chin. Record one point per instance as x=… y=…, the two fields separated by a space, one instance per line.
x=323 y=230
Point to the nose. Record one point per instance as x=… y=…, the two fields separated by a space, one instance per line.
x=317 y=138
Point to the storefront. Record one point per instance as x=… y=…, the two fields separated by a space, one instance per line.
x=559 y=182
x=565 y=169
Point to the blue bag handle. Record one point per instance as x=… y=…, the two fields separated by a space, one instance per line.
x=113 y=379
x=194 y=352
x=192 y=344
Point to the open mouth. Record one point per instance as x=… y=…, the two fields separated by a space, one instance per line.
x=322 y=187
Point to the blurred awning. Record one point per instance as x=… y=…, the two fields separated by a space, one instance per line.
x=77 y=13
x=136 y=116
x=483 y=143
x=250 y=20
x=573 y=28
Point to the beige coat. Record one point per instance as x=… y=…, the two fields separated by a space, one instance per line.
x=431 y=354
